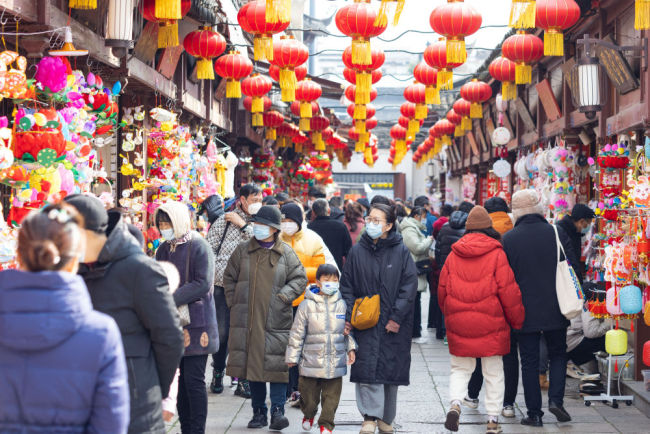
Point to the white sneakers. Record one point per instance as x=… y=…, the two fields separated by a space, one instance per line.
x=508 y=411
x=307 y=424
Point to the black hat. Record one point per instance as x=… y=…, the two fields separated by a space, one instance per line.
x=92 y=210
x=581 y=211
x=363 y=202
x=213 y=206
x=270 y=216
x=293 y=212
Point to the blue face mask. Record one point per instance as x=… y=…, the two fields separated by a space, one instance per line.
x=373 y=230
x=585 y=230
x=261 y=232
x=167 y=234
x=329 y=288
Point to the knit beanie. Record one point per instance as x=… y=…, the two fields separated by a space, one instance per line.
x=293 y=212
x=526 y=202
x=478 y=218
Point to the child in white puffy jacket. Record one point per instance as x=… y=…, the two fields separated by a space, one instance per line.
x=319 y=346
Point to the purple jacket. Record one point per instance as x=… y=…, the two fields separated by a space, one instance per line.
x=63 y=367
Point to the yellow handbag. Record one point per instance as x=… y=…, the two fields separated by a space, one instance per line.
x=365 y=313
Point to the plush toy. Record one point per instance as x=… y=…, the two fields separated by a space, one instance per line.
x=52 y=74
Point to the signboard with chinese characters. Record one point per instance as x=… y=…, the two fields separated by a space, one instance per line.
x=617 y=68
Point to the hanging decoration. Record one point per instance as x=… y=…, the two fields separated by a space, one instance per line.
x=360 y=124
x=416 y=93
x=523 y=49
x=428 y=76
x=360 y=104
x=445 y=130
x=398 y=133
x=457 y=120
x=522 y=14
x=642 y=14
x=256 y=87
x=358 y=21
x=307 y=91
x=257 y=118
x=364 y=74
x=476 y=92
x=408 y=109
x=305 y=124
x=288 y=54
x=463 y=108
x=206 y=44
x=278 y=11
x=455 y=20
x=272 y=121
x=318 y=124
x=252 y=19
x=554 y=16
x=382 y=15
x=82 y=4
x=166 y=13
x=233 y=67
x=286 y=133
x=503 y=69
x=436 y=57
x=412 y=126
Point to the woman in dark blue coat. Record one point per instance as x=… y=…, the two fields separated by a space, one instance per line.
x=381 y=264
x=63 y=367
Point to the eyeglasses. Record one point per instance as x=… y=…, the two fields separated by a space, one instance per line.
x=374 y=221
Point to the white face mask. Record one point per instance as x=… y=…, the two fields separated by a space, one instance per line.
x=329 y=288
x=289 y=228
x=167 y=234
x=253 y=208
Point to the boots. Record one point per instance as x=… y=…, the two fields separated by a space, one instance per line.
x=259 y=419
x=243 y=389
x=216 y=386
x=453 y=418
x=278 y=420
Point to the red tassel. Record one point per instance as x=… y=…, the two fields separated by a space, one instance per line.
x=616 y=366
x=616 y=324
x=632 y=326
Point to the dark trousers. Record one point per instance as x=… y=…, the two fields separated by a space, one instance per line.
x=258 y=395
x=510 y=371
x=294 y=374
x=417 y=316
x=434 y=321
x=585 y=350
x=529 y=350
x=223 y=322
x=326 y=392
x=192 y=402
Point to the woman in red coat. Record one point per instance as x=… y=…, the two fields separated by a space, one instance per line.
x=481 y=301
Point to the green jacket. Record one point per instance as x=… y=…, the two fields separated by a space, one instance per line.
x=418 y=244
x=260 y=285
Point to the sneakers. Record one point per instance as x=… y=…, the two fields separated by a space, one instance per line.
x=574 y=371
x=216 y=386
x=508 y=411
x=384 y=428
x=307 y=424
x=324 y=430
x=368 y=427
x=493 y=428
x=559 y=412
x=470 y=402
x=278 y=420
x=444 y=341
x=259 y=419
x=243 y=389
x=543 y=381
x=453 y=416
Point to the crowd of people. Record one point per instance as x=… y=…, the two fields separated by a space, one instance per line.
x=283 y=296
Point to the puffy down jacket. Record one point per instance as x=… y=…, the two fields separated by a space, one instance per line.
x=451 y=232
x=316 y=341
x=479 y=297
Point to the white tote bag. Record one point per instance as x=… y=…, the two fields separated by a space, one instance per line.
x=567 y=286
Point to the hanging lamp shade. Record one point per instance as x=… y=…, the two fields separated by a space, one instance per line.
x=206 y=44
x=119 y=23
x=476 y=92
x=288 y=54
x=257 y=119
x=382 y=15
x=464 y=108
x=428 y=76
x=166 y=13
x=522 y=14
x=272 y=121
x=364 y=73
x=503 y=69
x=318 y=124
x=455 y=20
x=233 y=67
x=252 y=19
x=306 y=92
x=68 y=49
x=416 y=93
x=436 y=57
x=631 y=299
x=457 y=120
x=523 y=49
x=357 y=20
x=554 y=16
x=256 y=87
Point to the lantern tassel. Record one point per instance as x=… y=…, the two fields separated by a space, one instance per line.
x=476 y=110
x=456 y=52
x=360 y=111
x=445 y=79
x=360 y=125
x=233 y=88
x=282 y=142
x=459 y=132
x=421 y=111
x=297 y=147
x=364 y=137
x=304 y=124
x=267 y=44
x=432 y=95
x=616 y=366
x=382 y=14
x=642 y=14
x=466 y=124
x=359 y=146
x=305 y=109
x=167 y=9
x=317 y=138
x=258 y=120
x=398 y=11
x=413 y=128
x=271 y=134
x=278 y=10
x=361 y=54
x=204 y=69
x=523 y=73
x=83 y=4
x=553 y=43
x=364 y=83
x=257 y=105
x=288 y=84
x=258 y=48
x=168 y=34
x=522 y=14
x=508 y=91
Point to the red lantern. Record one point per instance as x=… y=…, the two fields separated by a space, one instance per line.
x=503 y=69
x=360 y=113
x=233 y=67
x=523 y=49
x=286 y=132
x=205 y=44
x=289 y=53
x=299 y=140
x=428 y=76
x=300 y=71
x=455 y=20
x=252 y=19
x=278 y=10
x=256 y=86
x=351 y=75
x=318 y=124
x=272 y=120
x=436 y=56
x=464 y=108
x=363 y=73
x=522 y=14
x=416 y=93
x=306 y=92
x=457 y=120
x=295 y=108
x=476 y=92
x=408 y=110
x=167 y=19
x=370 y=110
x=554 y=16
x=358 y=21
x=445 y=130
x=353 y=96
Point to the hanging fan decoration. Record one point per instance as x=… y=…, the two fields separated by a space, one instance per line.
x=233 y=67
x=166 y=13
x=206 y=44
x=357 y=21
x=252 y=19
x=455 y=20
x=288 y=54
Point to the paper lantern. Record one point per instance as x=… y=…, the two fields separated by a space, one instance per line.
x=455 y=20
x=523 y=49
x=476 y=92
x=166 y=13
x=631 y=298
x=257 y=118
x=436 y=56
x=457 y=120
x=233 y=67
x=288 y=53
x=306 y=92
x=428 y=76
x=353 y=96
x=206 y=44
x=646 y=353
x=445 y=130
x=612 y=302
x=370 y=110
x=463 y=108
x=616 y=342
x=357 y=20
x=522 y=14
x=364 y=77
x=272 y=121
x=416 y=93
x=252 y=19
x=503 y=69
x=554 y=16
x=318 y=124
x=285 y=133
x=256 y=86
x=300 y=71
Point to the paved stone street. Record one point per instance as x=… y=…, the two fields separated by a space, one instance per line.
x=422 y=406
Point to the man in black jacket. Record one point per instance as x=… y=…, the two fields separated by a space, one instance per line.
x=571 y=229
x=133 y=289
x=336 y=208
x=333 y=232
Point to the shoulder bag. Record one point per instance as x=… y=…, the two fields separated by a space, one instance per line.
x=365 y=313
x=567 y=286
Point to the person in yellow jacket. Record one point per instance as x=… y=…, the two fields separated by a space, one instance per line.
x=498 y=210
x=312 y=252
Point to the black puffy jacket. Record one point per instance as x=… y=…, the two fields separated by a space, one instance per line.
x=385 y=268
x=133 y=289
x=451 y=232
x=571 y=240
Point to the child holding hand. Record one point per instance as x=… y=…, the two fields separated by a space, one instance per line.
x=320 y=323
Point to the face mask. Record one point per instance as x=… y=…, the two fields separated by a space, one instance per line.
x=253 y=208
x=329 y=288
x=167 y=234
x=261 y=232
x=289 y=228
x=373 y=230
x=585 y=230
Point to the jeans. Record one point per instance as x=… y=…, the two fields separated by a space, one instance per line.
x=223 y=322
x=192 y=403
x=529 y=351
x=492 y=368
x=585 y=350
x=319 y=390
x=258 y=395
x=417 y=316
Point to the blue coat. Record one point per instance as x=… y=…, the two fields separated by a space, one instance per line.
x=62 y=366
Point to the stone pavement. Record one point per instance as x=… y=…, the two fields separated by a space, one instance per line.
x=422 y=406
